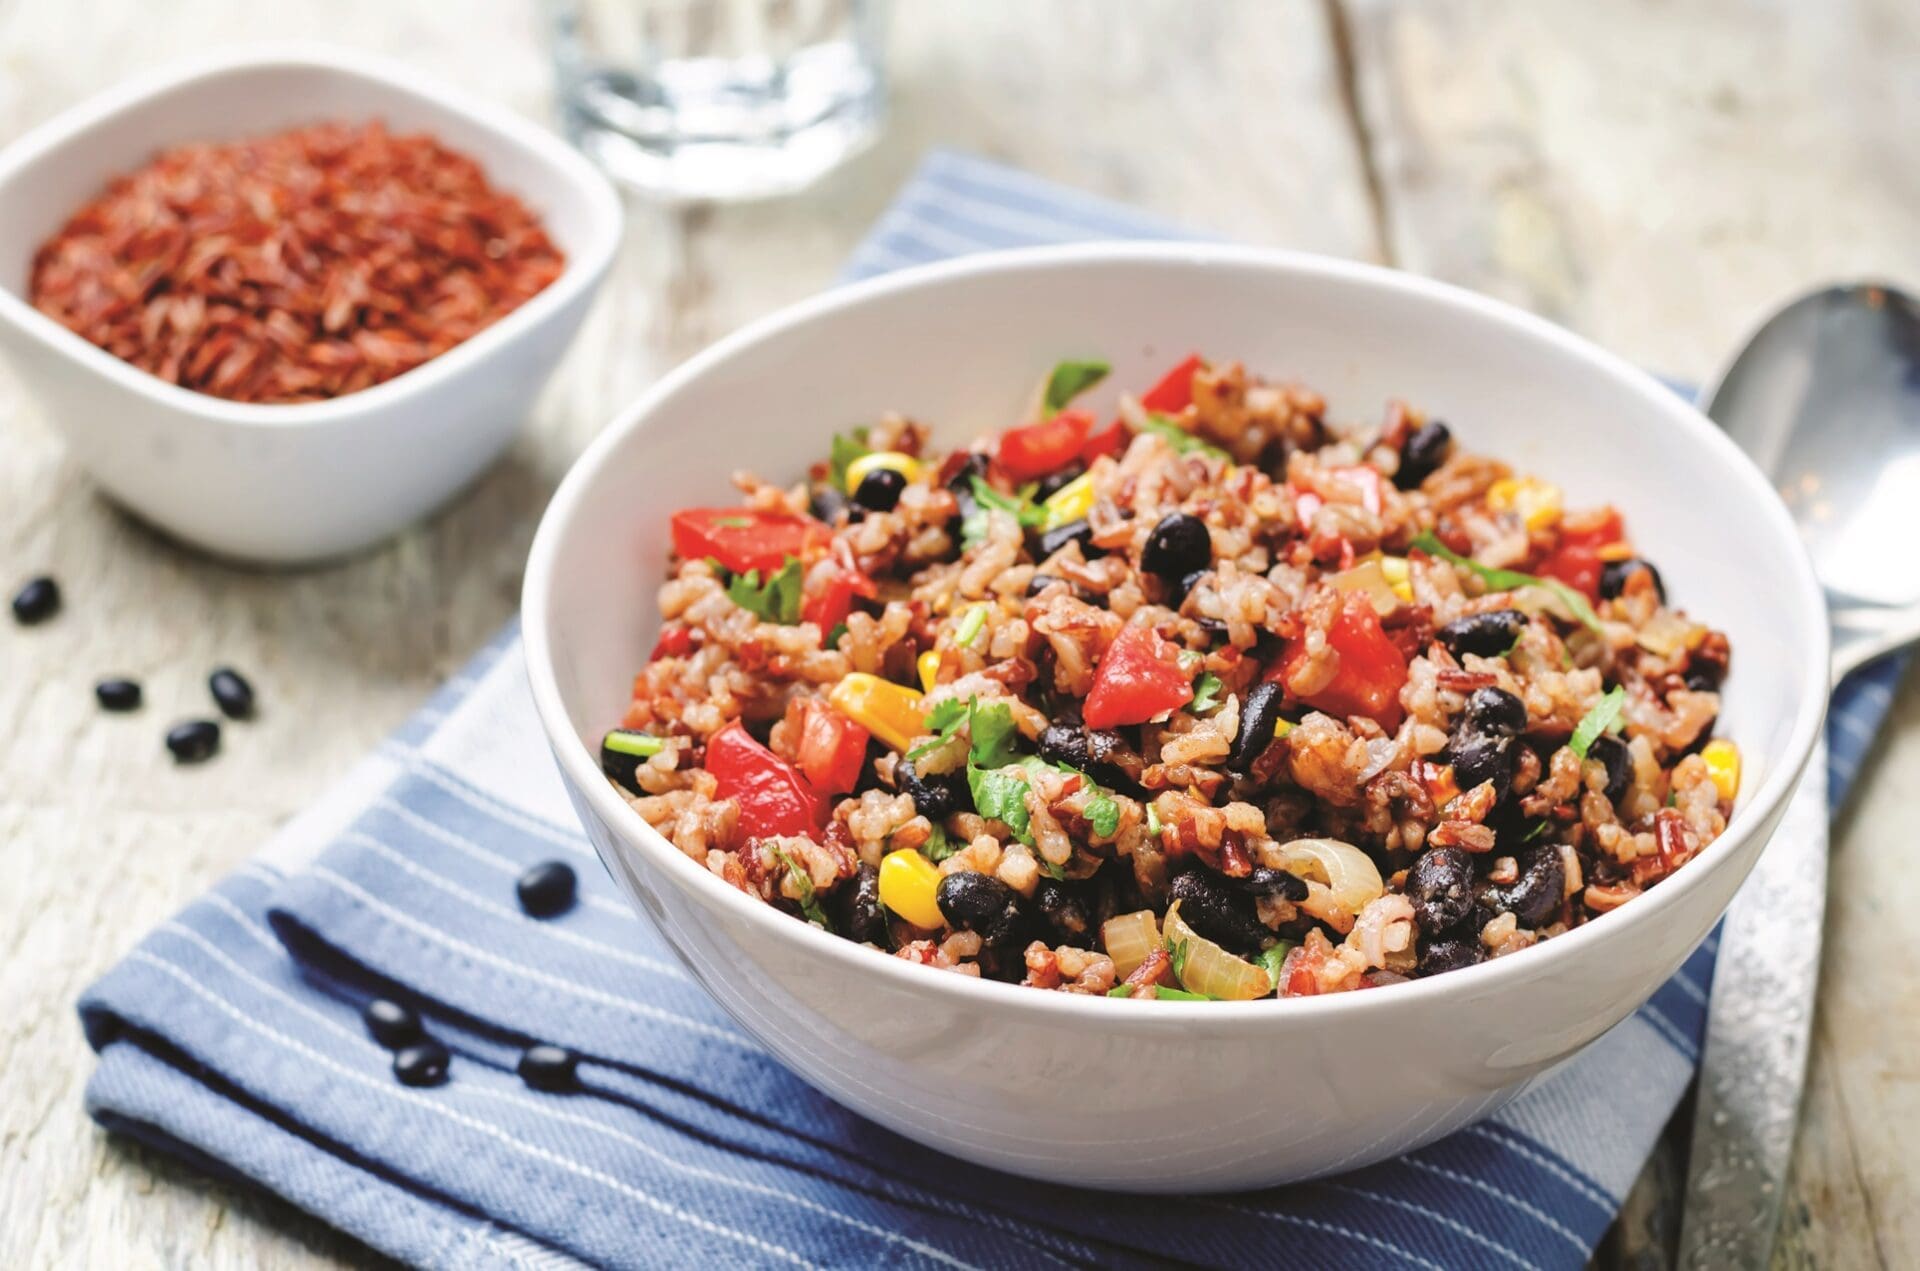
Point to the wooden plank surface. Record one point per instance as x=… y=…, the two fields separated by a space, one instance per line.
x=1653 y=175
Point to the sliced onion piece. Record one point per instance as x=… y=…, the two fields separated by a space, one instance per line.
x=1129 y=938
x=1348 y=872
x=1207 y=968
x=1370 y=580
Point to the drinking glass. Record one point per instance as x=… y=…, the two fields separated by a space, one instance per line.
x=719 y=99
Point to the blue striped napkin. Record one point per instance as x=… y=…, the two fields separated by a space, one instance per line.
x=231 y=1035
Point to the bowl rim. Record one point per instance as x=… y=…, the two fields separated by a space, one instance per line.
x=581 y=769
x=581 y=184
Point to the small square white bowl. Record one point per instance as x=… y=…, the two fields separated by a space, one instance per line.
x=294 y=483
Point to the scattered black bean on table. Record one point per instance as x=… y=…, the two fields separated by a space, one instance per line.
x=36 y=601
x=547 y=889
x=422 y=1064
x=194 y=741
x=231 y=693
x=550 y=1068
x=391 y=1024
x=118 y=694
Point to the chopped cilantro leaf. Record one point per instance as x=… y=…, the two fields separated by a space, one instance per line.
x=1069 y=380
x=1206 y=693
x=846 y=448
x=1272 y=958
x=1022 y=508
x=776 y=600
x=1510 y=579
x=1597 y=721
x=833 y=636
x=938 y=847
x=803 y=883
x=1102 y=813
x=993 y=731
x=1182 y=441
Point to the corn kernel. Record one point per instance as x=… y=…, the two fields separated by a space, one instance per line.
x=857 y=471
x=1398 y=576
x=1723 y=765
x=1070 y=502
x=908 y=883
x=1537 y=502
x=889 y=711
x=929 y=668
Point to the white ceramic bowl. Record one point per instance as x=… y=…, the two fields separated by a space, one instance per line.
x=1167 y=1096
x=302 y=482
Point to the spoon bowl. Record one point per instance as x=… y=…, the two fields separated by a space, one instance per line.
x=1826 y=399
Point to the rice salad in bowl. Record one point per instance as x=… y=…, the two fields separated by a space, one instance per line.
x=1214 y=699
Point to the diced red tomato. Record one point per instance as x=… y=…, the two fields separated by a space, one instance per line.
x=828 y=605
x=832 y=749
x=1576 y=560
x=744 y=538
x=675 y=641
x=1138 y=677
x=1372 y=669
x=775 y=798
x=1174 y=392
x=1031 y=451
x=1110 y=440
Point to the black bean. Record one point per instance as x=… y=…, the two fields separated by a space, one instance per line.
x=118 y=695
x=1040 y=582
x=549 y=1068
x=421 y=1064
x=1613 y=752
x=1220 y=912
x=1060 y=535
x=194 y=741
x=1067 y=744
x=1450 y=953
x=937 y=797
x=1485 y=634
x=1277 y=883
x=1440 y=885
x=1259 y=715
x=983 y=904
x=869 y=778
x=1182 y=589
x=1423 y=451
x=1051 y=483
x=961 y=483
x=1535 y=897
x=1066 y=913
x=855 y=908
x=547 y=889
x=826 y=503
x=880 y=490
x=1178 y=546
x=391 y=1024
x=1614 y=575
x=37 y=601
x=1477 y=757
x=1703 y=679
x=1496 y=712
x=231 y=693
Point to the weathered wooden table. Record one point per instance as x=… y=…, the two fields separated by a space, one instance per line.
x=1652 y=175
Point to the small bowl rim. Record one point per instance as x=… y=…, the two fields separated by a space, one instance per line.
x=581 y=769
x=584 y=184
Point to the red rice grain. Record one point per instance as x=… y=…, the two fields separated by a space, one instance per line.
x=296 y=267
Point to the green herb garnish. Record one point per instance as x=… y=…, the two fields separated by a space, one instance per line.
x=973 y=529
x=1102 y=812
x=1597 y=721
x=1272 y=958
x=833 y=636
x=1069 y=380
x=1206 y=693
x=1120 y=990
x=1539 y=829
x=971 y=625
x=846 y=448
x=1511 y=579
x=1182 y=441
x=1179 y=951
x=624 y=741
x=776 y=600
x=939 y=846
x=943 y=721
x=803 y=883
x=1153 y=821
x=998 y=776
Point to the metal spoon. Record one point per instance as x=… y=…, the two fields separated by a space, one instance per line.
x=1826 y=399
